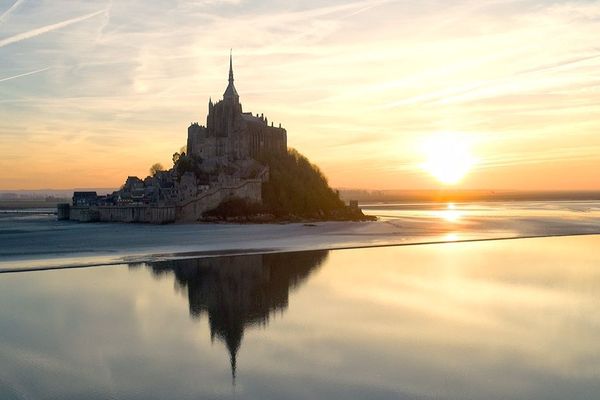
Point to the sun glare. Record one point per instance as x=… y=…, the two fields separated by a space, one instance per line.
x=451 y=214
x=448 y=157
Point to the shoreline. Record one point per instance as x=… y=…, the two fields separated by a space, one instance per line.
x=226 y=252
x=40 y=241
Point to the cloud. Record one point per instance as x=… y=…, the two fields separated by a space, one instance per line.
x=45 y=29
x=334 y=73
x=576 y=153
x=25 y=74
x=7 y=13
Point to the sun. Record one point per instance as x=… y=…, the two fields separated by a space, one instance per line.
x=448 y=157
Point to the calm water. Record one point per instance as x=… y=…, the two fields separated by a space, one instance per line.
x=456 y=211
x=508 y=319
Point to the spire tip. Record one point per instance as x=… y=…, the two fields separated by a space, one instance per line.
x=230 y=65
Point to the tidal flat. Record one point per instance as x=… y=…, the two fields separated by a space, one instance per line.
x=37 y=240
x=479 y=320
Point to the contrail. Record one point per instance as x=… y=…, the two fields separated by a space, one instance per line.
x=6 y=13
x=25 y=74
x=45 y=29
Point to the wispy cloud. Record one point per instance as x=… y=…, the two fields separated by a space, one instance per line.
x=48 y=28
x=8 y=78
x=576 y=153
x=10 y=9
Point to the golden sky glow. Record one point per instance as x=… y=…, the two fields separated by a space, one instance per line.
x=93 y=91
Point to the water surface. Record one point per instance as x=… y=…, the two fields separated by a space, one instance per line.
x=490 y=320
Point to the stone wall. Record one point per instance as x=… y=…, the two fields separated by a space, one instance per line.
x=147 y=214
x=192 y=209
x=197 y=141
x=138 y=213
x=263 y=139
x=84 y=214
x=63 y=211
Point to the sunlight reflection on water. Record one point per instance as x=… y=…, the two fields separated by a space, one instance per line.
x=451 y=237
x=450 y=214
x=489 y=320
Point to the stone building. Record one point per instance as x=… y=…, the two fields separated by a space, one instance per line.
x=231 y=134
x=85 y=198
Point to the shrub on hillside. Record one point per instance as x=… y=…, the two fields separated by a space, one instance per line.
x=234 y=208
x=297 y=187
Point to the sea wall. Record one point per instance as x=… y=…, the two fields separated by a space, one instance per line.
x=84 y=214
x=63 y=211
x=138 y=213
x=145 y=214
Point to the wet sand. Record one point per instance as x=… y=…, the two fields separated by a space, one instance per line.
x=39 y=241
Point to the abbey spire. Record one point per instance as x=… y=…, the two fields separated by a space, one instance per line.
x=230 y=92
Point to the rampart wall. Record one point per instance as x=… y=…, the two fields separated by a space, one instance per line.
x=190 y=210
x=133 y=213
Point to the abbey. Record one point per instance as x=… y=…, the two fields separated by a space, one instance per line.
x=231 y=134
x=222 y=161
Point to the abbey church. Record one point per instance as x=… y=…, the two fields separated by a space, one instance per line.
x=231 y=134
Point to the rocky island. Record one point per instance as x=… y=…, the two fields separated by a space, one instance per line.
x=237 y=168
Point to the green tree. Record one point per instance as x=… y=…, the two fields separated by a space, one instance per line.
x=176 y=158
x=155 y=168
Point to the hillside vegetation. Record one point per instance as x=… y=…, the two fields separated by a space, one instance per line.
x=296 y=190
x=298 y=187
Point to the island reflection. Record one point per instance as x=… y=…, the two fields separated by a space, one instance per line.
x=237 y=292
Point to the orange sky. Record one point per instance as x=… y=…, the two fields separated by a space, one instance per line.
x=100 y=90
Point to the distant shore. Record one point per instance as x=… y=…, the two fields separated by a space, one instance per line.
x=30 y=204
x=454 y=195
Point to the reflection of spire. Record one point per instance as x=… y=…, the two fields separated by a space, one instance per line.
x=240 y=291
x=232 y=360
